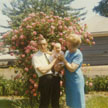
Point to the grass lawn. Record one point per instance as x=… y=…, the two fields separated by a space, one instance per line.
x=93 y=100
x=5 y=104
x=97 y=102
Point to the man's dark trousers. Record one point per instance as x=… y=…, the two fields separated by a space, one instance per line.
x=49 y=87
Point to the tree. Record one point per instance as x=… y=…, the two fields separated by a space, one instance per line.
x=21 y=8
x=102 y=8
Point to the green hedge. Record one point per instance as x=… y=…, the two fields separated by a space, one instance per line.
x=98 y=83
x=16 y=87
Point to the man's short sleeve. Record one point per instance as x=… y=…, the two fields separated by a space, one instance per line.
x=78 y=59
x=35 y=62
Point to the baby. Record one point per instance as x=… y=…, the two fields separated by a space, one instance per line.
x=55 y=53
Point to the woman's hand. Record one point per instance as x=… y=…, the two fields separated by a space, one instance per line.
x=58 y=67
x=61 y=57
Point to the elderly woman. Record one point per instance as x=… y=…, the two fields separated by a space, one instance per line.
x=74 y=78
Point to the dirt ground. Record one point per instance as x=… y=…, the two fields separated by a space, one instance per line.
x=7 y=73
x=90 y=71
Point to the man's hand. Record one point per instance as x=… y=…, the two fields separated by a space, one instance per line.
x=58 y=67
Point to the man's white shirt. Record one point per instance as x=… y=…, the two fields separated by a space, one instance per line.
x=39 y=60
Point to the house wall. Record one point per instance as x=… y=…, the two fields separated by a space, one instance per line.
x=98 y=53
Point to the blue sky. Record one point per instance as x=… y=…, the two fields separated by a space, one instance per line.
x=88 y=4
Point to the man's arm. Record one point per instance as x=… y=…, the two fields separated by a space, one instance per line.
x=45 y=69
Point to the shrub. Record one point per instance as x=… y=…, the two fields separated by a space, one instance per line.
x=24 y=39
x=98 y=83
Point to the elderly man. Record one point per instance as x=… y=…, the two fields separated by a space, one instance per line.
x=49 y=84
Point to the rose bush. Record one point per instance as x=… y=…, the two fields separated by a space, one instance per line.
x=33 y=27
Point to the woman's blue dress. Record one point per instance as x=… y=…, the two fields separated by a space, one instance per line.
x=75 y=97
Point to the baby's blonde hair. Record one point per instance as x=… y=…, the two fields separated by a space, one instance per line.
x=74 y=39
x=57 y=44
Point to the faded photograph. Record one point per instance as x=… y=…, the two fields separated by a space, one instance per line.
x=53 y=53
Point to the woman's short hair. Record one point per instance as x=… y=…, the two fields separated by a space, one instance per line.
x=74 y=39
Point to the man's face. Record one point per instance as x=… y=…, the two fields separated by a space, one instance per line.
x=43 y=45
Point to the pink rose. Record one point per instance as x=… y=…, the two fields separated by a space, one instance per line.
x=53 y=43
x=65 y=27
x=47 y=17
x=12 y=54
x=22 y=37
x=60 y=27
x=42 y=13
x=25 y=20
x=13 y=47
x=93 y=43
x=71 y=28
x=14 y=38
x=61 y=83
x=20 y=29
x=90 y=84
x=26 y=69
x=52 y=32
x=63 y=48
x=59 y=22
x=16 y=31
x=66 y=18
x=29 y=27
x=74 y=28
x=35 y=85
x=52 y=27
x=87 y=40
x=32 y=15
x=31 y=55
x=33 y=24
x=23 y=55
x=22 y=43
x=56 y=17
x=34 y=33
x=5 y=35
x=40 y=36
x=43 y=20
x=61 y=34
x=35 y=49
x=27 y=51
x=74 y=20
x=33 y=90
x=86 y=82
x=61 y=39
x=1 y=43
x=27 y=91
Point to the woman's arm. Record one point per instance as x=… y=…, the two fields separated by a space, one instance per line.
x=70 y=66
